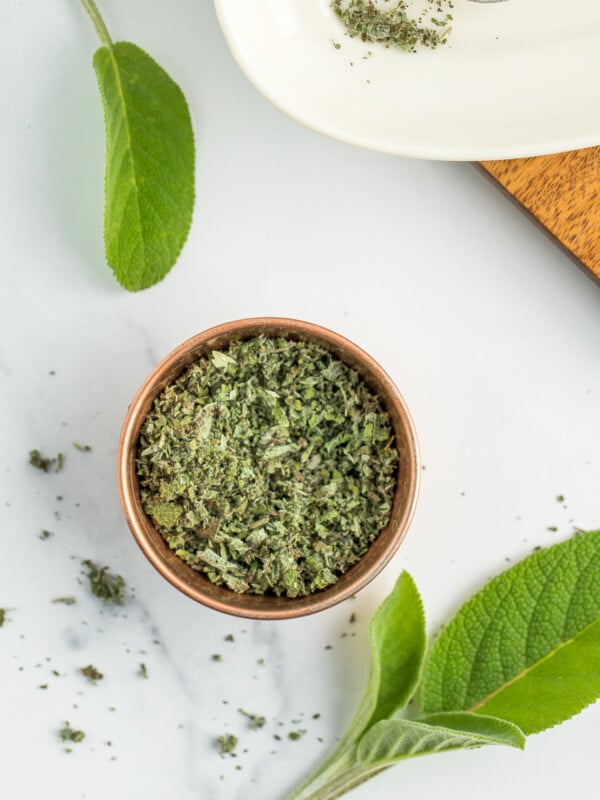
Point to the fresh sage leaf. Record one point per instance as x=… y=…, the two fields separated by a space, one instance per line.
x=523 y=654
x=525 y=648
x=392 y=740
x=398 y=640
x=149 y=172
x=149 y=169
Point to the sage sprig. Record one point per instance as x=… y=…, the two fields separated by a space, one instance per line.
x=149 y=168
x=521 y=656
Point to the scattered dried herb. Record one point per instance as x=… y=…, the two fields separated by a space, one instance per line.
x=69 y=734
x=68 y=601
x=256 y=721
x=110 y=588
x=270 y=467
x=45 y=535
x=143 y=671
x=2 y=616
x=84 y=448
x=91 y=673
x=217 y=657
x=388 y=22
x=37 y=460
x=295 y=735
x=227 y=743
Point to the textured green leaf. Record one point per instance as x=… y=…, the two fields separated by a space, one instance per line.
x=397 y=637
x=494 y=729
x=149 y=171
x=398 y=640
x=526 y=647
x=396 y=739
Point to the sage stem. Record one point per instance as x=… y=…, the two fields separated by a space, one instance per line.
x=98 y=22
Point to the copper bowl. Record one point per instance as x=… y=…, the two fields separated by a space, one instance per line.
x=194 y=583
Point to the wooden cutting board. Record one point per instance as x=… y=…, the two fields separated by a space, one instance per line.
x=562 y=192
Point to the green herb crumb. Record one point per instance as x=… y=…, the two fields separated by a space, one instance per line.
x=108 y=587
x=256 y=721
x=37 y=460
x=83 y=448
x=91 y=673
x=143 y=671
x=295 y=735
x=67 y=601
x=227 y=743
x=69 y=734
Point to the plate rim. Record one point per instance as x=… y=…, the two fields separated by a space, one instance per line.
x=547 y=146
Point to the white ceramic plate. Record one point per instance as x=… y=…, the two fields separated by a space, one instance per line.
x=517 y=78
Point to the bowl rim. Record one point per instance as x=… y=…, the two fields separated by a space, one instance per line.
x=168 y=564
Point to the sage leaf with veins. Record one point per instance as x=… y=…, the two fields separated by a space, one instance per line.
x=149 y=169
x=393 y=740
x=397 y=639
x=522 y=655
x=527 y=647
x=390 y=741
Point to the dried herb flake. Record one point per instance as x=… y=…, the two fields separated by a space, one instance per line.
x=391 y=25
x=103 y=584
x=83 y=448
x=295 y=735
x=227 y=743
x=91 y=673
x=37 y=460
x=67 y=601
x=256 y=721
x=69 y=734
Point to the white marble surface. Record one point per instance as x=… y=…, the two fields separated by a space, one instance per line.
x=491 y=333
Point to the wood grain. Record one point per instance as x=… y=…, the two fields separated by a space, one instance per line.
x=562 y=192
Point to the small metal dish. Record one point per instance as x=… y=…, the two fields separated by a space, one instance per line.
x=194 y=583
